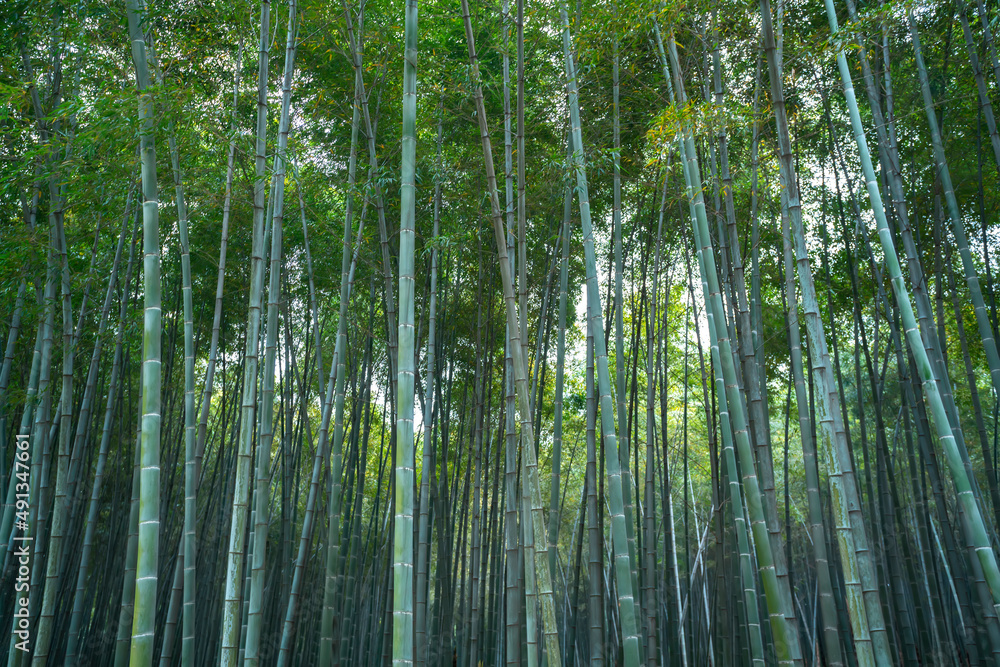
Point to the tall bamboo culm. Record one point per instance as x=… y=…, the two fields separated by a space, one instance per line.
x=235 y=562
x=402 y=542
x=143 y=623
x=619 y=523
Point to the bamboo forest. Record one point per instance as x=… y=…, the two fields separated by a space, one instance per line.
x=482 y=333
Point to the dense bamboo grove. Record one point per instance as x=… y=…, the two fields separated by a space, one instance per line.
x=449 y=333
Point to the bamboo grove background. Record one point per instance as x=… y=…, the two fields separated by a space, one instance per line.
x=612 y=333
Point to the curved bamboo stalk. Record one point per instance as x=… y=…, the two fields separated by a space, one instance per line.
x=356 y=43
x=977 y=72
x=513 y=548
x=8 y=358
x=522 y=216
x=975 y=526
x=27 y=420
x=955 y=215
x=619 y=531
x=512 y=551
x=557 y=402
x=828 y=609
x=736 y=499
x=594 y=569
x=33 y=421
x=753 y=374
x=60 y=508
x=728 y=474
x=649 y=520
x=619 y=309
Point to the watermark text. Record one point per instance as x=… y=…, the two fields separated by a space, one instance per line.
x=22 y=549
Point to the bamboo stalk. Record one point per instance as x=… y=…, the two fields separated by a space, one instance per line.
x=619 y=521
x=402 y=559
x=143 y=624
x=231 y=607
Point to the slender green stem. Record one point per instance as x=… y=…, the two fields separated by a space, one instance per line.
x=402 y=543
x=144 y=620
x=619 y=522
